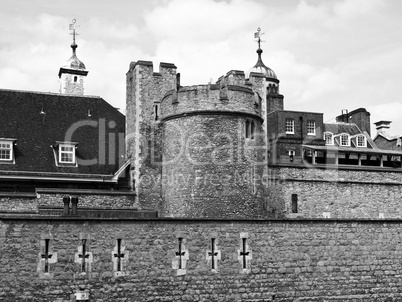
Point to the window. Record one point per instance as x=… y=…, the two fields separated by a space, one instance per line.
x=329 y=138
x=290 y=126
x=345 y=140
x=310 y=127
x=250 y=129
x=67 y=153
x=361 y=141
x=294 y=203
x=75 y=79
x=6 y=151
x=292 y=154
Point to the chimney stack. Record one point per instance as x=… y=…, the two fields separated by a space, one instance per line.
x=383 y=127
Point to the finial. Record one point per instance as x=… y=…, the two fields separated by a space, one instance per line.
x=257 y=36
x=73 y=27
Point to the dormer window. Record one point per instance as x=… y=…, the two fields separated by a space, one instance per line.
x=361 y=141
x=345 y=139
x=65 y=152
x=7 y=150
x=329 y=138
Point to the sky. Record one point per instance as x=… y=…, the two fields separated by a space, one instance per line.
x=329 y=55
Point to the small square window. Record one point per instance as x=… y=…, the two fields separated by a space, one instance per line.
x=6 y=150
x=67 y=154
x=290 y=126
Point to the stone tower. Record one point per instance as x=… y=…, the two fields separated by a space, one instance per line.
x=145 y=89
x=73 y=74
x=213 y=150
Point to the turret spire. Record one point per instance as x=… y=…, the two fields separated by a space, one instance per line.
x=72 y=75
x=260 y=67
x=74 y=33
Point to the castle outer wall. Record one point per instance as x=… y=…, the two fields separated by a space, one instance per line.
x=339 y=193
x=272 y=260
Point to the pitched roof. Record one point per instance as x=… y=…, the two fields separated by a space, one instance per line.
x=337 y=128
x=87 y=120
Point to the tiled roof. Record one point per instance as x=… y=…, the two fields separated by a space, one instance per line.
x=36 y=133
x=337 y=128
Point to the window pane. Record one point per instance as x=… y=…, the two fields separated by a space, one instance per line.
x=289 y=125
x=311 y=127
x=5 y=151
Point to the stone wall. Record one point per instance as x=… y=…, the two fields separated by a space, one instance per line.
x=145 y=89
x=210 y=167
x=171 y=260
x=108 y=200
x=342 y=193
x=230 y=98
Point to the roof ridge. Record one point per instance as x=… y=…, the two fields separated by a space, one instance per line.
x=51 y=93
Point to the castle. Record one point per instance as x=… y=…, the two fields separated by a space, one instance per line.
x=212 y=193
x=230 y=150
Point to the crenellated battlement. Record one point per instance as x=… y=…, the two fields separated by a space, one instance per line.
x=231 y=93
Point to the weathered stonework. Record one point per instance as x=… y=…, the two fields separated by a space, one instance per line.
x=292 y=260
x=145 y=89
x=343 y=193
x=108 y=200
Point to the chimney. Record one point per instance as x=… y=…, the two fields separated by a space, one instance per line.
x=360 y=117
x=344 y=117
x=383 y=127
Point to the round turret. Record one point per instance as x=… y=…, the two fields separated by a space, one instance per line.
x=212 y=151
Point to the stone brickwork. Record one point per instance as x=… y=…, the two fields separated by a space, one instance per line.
x=145 y=89
x=210 y=169
x=343 y=193
x=209 y=98
x=285 y=260
x=102 y=200
x=72 y=84
x=209 y=162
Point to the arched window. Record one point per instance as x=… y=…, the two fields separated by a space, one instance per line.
x=75 y=79
x=345 y=139
x=361 y=141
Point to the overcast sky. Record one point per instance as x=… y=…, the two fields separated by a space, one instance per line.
x=328 y=55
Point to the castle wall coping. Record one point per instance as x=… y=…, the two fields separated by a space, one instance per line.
x=240 y=88
x=338 y=167
x=340 y=181
x=21 y=216
x=167 y=65
x=30 y=195
x=211 y=112
x=210 y=87
x=84 y=191
x=238 y=72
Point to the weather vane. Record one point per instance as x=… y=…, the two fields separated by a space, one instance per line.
x=257 y=36
x=73 y=27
